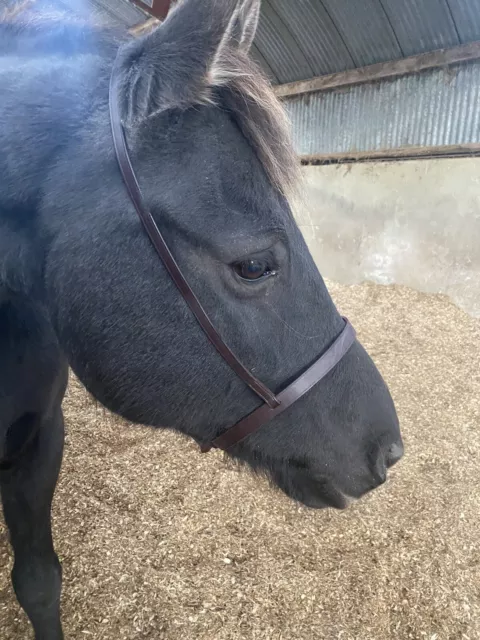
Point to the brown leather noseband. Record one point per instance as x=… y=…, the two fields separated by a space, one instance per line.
x=273 y=404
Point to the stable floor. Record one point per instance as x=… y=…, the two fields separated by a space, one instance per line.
x=162 y=543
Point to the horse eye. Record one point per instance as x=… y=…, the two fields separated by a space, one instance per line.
x=253 y=269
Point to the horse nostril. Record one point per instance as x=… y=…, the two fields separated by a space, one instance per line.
x=380 y=471
x=394 y=453
x=383 y=459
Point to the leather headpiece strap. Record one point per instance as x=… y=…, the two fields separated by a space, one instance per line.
x=273 y=404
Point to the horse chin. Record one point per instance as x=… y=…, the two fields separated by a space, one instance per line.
x=327 y=497
x=312 y=492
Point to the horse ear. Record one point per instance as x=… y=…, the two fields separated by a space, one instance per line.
x=243 y=26
x=177 y=64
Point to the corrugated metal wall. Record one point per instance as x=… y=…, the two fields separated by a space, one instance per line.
x=434 y=108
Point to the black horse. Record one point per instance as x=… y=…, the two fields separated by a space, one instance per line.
x=81 y=285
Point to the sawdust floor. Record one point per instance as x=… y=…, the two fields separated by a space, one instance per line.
x=159 y=542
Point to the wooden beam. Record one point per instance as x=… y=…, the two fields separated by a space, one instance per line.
x=383 y=70
x=156 y=8
x=400 y=153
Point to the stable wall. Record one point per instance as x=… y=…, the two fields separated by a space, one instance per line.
x=415 y=223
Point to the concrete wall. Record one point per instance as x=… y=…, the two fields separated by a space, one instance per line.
x=415 y=223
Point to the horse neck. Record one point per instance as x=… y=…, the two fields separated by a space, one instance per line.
x=44 y=101
x=50 y=73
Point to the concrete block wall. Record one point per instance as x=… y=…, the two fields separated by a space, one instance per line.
x=415 y=223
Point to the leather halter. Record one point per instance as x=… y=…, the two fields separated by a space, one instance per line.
x=273 y=404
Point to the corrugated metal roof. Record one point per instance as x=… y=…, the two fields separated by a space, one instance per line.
x=279 y=48
x=365 y=29
x=311 y=27
x=435 y=108
x=466 y=14
x=421 y=26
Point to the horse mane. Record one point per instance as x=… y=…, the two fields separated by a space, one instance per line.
x=236 y=84
x=246 y=93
